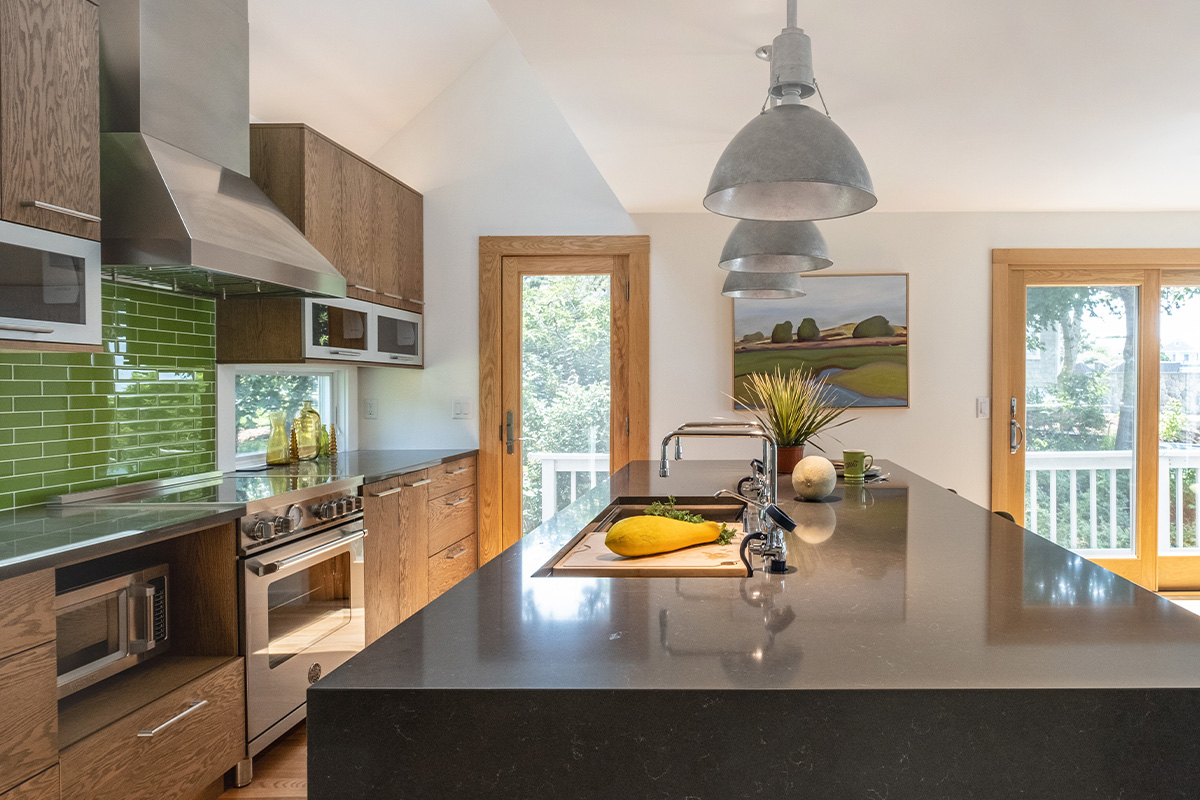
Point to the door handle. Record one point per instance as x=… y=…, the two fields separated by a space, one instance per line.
x=509 y=441
x=1016 y=434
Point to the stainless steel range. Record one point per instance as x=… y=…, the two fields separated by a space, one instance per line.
x=301 y=580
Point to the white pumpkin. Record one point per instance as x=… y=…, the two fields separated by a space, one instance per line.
x=814 y=478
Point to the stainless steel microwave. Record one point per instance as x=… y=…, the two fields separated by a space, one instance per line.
x=109 y=626
x=49 y=286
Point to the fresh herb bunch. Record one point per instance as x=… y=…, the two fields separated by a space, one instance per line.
x=668 y=509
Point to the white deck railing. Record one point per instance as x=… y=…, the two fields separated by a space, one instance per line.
x=1080 y=469
x=554 y=464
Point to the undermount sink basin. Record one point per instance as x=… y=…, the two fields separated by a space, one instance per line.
x=587 y=555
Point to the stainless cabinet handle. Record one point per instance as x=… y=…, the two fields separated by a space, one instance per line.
x=456 y=555
x=458 y=502
x=458 y=471
x=393 y=296
x=364 y=288
x=421 y=482
x=195 y=706
x=389 y=491
x=70 y=212
x=414 y=300
x=22 y=329
x=354 y=353
x=273 y=567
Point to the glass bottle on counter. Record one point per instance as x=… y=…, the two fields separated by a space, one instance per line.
x=277 y=442
x=308 y=432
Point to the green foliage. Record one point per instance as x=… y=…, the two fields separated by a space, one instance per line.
x=259 y=395
x=792 y=408
x=1069 y=416
x=782 y=333
x=565 y=351
x=668 y=509
x=1172 y=421
x=872 y=327
x=808 y=331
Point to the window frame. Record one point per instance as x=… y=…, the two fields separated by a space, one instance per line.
x=342 y=390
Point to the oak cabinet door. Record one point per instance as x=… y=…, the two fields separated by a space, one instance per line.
x=50 y=115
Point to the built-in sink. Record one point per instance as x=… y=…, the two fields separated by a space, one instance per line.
x=587 y=555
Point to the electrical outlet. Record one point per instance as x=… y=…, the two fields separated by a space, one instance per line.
x=462 y=408
x=370 y=408
x=983 y=407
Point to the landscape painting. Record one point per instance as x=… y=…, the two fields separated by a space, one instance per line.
x=850 y=329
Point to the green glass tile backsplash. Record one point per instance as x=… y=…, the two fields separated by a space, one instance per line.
x=145 y=408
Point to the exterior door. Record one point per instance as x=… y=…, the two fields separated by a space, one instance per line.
x=564 y=374
x=1094 y=413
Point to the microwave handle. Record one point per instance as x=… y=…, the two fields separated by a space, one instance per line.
x=142 y=594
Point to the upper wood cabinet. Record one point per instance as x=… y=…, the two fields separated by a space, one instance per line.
x=368 y=224
x=50 y=115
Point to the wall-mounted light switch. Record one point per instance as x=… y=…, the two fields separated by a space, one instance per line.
x=462 y=408
x=370 y=408
x=983 y=407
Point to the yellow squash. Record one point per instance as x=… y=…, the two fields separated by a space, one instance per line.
x=646 y=535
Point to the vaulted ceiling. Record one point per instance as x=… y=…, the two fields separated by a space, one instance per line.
x=956 y=106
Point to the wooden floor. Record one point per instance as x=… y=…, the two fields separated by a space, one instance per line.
x=280 y=771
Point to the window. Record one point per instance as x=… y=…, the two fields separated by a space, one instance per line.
x=257 y=391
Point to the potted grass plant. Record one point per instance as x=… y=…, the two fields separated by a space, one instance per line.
x=793 y=407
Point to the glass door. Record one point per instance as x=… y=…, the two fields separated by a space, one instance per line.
x=1178 y=431
x=557 y=351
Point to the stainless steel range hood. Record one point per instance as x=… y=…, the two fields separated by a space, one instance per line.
x=178 y=205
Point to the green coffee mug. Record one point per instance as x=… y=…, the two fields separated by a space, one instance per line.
x=855 y=464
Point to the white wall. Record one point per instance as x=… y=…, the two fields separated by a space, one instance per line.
x=492 y=156
x=948 y=258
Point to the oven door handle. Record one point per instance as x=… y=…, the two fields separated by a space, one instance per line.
x=271 y=567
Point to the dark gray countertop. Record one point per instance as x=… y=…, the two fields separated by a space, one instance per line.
x=901 y=585
x=39 y=537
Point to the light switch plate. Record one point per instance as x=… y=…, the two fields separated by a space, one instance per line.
x=370 y=408
x=462 y=408
x=983 y=407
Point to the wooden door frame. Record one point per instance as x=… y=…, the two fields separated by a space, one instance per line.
x=1010 y=269
x=632 y=254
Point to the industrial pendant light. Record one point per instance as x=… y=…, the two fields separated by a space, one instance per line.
x=791 y=162
x=773 y=247
x=762 y=285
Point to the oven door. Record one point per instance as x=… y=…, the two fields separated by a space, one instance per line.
x=303 y=616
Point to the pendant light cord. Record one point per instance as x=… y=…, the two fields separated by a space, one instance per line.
x=817 y=86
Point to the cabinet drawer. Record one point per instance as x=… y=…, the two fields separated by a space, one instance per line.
x=451 y=477
x=29 y=705
x=168 y=750
x=26 y=612
x=451 y=517
x=451 y=565
x=41 y=787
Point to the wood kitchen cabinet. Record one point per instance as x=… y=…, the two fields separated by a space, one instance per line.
x=368 y=224
x=28 y=681
x=50 y=115
x=421 y=540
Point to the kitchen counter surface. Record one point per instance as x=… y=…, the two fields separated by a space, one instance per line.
x=39 y=537
x=927 y=624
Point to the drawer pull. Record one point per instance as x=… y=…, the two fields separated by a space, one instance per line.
x=421 y=482
x=460 y=552
x=389 y=491
x=458 y=471
x=23 y=329
x=70 y=212
x=457 y=502
x=195 y=706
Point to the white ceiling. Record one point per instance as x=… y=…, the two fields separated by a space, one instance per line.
x=955 y=105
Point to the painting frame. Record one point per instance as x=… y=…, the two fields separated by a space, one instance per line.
x=881 y=381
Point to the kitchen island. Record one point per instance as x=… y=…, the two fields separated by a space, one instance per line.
x=919 y=647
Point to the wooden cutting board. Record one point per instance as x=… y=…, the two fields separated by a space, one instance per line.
x=590 y=558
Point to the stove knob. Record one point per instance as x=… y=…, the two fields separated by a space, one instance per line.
x=358 y=503
x=327 y=511
x=283 y=525
x=263 y=529
x=345 y=506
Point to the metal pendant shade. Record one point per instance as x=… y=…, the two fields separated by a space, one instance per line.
x=757 y=246
x=762 y=285
x=791 y=162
